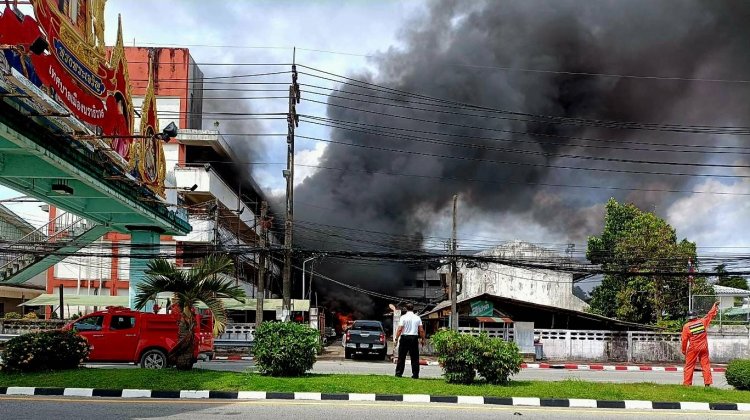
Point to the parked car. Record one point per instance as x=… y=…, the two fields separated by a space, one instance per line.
x=122 y=335
x=366 y=337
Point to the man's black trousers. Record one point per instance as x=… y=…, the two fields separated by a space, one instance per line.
x=408 y=344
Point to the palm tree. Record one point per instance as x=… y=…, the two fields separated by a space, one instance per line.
x=204 y=283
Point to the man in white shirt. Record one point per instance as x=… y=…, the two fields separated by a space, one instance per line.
x=409 y=330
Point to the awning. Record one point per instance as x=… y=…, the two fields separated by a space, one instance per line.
x=250 y=304
x=737 y=311
x=77 y=300
x=298 y=305
x=494 y=319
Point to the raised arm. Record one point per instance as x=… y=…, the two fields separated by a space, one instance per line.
x=711 y=314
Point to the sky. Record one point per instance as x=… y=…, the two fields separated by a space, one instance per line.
x=364 y=39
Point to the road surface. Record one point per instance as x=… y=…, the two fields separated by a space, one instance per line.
x=375 y=367
x=62 y=408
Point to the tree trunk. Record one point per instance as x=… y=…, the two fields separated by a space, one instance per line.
x=182 y=353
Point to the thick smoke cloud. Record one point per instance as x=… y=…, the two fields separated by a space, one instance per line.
x=458 y=50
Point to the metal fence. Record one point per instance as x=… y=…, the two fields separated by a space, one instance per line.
x=734 y=308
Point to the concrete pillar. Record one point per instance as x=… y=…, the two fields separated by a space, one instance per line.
x=140 y=241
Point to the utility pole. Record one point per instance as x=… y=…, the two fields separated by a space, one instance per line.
x=292 y=122
x=261 y=284
x=454 y=295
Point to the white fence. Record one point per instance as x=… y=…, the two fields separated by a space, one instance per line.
x=238 y=335
x=628 y=346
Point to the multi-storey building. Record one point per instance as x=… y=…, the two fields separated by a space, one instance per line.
x=222 y=202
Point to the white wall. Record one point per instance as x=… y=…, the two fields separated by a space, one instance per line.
x=530 y=285
x=167 y=110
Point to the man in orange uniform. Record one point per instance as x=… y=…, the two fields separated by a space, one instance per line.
x=695 y=345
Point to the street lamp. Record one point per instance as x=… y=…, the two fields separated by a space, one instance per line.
x=305 y=271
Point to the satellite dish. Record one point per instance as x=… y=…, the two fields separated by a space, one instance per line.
x=392 y=306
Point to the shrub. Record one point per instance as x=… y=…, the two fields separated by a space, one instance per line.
x=738 y=374
x=458 y=355
x=31 y=315
x=498 y=359
x=463 y=355
x=285 y=348
x=12 y=315
x=46 y=350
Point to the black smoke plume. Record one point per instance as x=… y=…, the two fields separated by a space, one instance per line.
x=462 y=51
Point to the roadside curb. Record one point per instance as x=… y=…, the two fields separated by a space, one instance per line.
x=575 y=366
x=233 y=358
x=416 y=398
x=628 y=368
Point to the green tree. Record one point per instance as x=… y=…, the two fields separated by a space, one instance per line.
x=205 y=283
x=632 y=242
x=725 y=279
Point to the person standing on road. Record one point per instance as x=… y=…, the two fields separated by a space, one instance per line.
x=409 y=330
x=695 y=345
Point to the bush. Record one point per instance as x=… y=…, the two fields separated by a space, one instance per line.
x=285 y=348
x=12 y=315
x=463 y=355
x=498 y=359
x=46 y=350
x=31 y=315
x=738 y=374
x=457 y=354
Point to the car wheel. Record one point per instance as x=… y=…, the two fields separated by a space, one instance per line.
x=154 y=359
x=347 y=354
x=384 y=355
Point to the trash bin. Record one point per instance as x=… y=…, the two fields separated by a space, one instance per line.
x=538 y=350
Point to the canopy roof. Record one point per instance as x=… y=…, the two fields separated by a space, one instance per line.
x=249 y=304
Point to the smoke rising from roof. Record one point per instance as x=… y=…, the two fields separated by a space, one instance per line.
x=456 y=52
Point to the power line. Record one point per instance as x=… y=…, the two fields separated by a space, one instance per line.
x=706 y=129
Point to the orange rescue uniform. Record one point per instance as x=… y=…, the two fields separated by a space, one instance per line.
x=695 y=346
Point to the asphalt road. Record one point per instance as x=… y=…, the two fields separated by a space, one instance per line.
x=61 y=408
x=375 y=367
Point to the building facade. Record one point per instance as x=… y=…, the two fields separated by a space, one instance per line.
x=221 y=204
x=14 y=229
x=545 y=287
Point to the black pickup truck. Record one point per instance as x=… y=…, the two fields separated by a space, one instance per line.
x=366 y=337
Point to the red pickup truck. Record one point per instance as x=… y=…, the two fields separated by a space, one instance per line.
x=122 y=335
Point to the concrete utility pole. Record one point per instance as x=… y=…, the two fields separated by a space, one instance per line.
x=454 y=295
x=292 y=122
x=261 y=284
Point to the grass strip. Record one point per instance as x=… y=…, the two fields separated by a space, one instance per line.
x=197 y=379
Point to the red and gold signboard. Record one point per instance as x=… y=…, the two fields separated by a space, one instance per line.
x=62 y=48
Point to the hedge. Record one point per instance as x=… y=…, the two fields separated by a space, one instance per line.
x=285 y=348
x=738 y=374
x=45 y=350
x=463 y=355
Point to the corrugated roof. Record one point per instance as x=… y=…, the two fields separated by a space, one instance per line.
x=730 y=291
